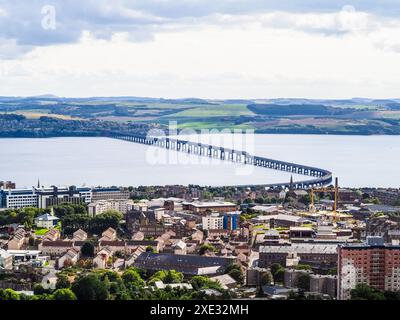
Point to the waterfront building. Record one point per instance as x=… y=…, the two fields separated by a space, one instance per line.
x=54 y=196
x=41 y=197
x=18 y=198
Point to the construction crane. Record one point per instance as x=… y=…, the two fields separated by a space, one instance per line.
x=334 y=189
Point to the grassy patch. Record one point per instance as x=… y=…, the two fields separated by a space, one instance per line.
x=214 y=111
x=41 y=232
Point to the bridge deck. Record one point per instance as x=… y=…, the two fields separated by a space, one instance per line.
x=321 y=177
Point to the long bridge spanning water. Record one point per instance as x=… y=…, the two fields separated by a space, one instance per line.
x=319 y=177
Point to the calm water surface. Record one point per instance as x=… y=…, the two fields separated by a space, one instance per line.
x=356 y=160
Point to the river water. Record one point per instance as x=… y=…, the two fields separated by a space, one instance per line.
x=357 y=161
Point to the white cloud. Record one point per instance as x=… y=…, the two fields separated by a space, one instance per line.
x=335 y=54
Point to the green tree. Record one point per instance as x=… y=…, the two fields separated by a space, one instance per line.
x=202 y=282
x=266 y=278
x=206 y=247
x=237 y=275
x=235 y=271
x=9 y=294
x=364 y=292
x=87 y=249
x=64 y=294
x=166 y=276
x=101 y=222
x=90 y=287
x=132 y=277
x=277 y=272
x=303 y=282
x=303 y=267
x=62 y=282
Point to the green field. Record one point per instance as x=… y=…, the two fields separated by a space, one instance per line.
x=214 y=111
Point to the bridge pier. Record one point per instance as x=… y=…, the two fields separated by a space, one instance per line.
x=321 y=177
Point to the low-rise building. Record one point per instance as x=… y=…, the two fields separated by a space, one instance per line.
x=69 y=258
x=324 y=284
x=102 y=257
x=225 y=280
x=109 y=235
x=52 y=235
x=17 y=241
x=79 y=235
x=316 y=255
x=187 y=264
x=281 y=220
x=59 y=247
x=46 y=221
x=200 y=207
x=6 y=260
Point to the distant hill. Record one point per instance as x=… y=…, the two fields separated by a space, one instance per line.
x=293 y=109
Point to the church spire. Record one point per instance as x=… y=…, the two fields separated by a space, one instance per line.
x=38 y=184
x=291 y=183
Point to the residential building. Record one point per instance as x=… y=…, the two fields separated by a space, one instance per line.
x=102 y=257
x=324 y=284
x=17 y=241
x=254 y=276
x=7 y=185
x=69 y=258
x=6 y=260
x=375 y=263
x=179 y=247
x=225 y=280
x=231 y=220
x=101 y=206
x=112 y=193
x=59 y=247
x=79 y=235
x=213 y=221
x=145 y=222
x=46 y=221
x=291 y=277
x=109 y=235
x=52 y=235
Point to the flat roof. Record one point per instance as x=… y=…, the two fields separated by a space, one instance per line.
x=301 y=248
x=209 y=204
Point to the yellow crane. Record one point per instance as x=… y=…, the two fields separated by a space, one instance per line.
x=334 y=189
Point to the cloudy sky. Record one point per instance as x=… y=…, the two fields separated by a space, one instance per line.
x=200 y=48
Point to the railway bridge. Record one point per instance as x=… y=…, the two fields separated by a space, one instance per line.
x=318 y=177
